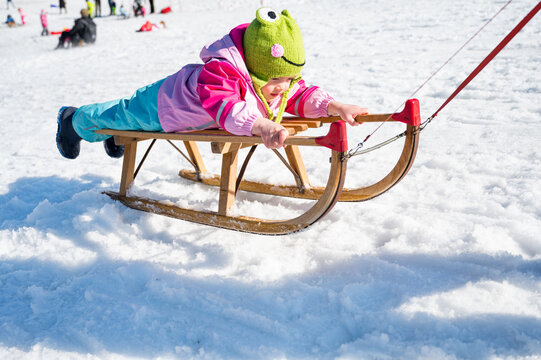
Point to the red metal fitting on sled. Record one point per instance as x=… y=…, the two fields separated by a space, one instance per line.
x=336 y=139
x=411 y=114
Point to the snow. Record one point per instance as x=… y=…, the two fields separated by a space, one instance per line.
x=446 y=265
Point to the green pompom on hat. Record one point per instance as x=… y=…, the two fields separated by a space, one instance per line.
x=273 y=46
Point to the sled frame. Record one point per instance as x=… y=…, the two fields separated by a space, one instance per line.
x=228 y=181
x=229 y=146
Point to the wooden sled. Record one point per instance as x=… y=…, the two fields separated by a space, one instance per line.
x=229 y=181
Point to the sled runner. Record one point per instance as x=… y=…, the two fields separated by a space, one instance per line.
x=229 y=181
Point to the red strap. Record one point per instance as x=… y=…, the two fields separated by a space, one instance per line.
x=491 y=56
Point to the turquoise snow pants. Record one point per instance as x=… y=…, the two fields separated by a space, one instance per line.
x=139 y=112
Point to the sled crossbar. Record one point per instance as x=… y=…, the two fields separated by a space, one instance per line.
x=228 y=146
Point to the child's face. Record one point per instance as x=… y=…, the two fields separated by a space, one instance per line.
x=276 y=87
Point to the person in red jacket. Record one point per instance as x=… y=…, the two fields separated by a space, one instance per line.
x=148 y=26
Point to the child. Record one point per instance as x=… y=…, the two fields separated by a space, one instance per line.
x=9 y=2
x=23 y=16
x=43 y=18
x=10 y=21
x=123 y=13
x=248 y=79
x=148 y=26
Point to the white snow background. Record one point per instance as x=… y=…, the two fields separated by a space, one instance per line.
x=446 y=265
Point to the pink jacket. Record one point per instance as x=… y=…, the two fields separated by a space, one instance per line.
x=220 y=94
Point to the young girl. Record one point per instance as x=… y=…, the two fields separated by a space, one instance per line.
x=44 y=22
x=248 y=80
x=23 y=16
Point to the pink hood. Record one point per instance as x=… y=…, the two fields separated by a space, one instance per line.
x=228 y=48
x=219 y=93
x=179 y=103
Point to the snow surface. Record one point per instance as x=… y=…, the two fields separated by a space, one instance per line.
x=446 y=265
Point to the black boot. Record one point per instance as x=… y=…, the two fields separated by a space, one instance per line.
x=67 y=140
x=112 y=149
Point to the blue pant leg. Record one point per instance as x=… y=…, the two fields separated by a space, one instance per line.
x=139 y=112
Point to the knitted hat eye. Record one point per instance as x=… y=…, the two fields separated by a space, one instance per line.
x=268 y=15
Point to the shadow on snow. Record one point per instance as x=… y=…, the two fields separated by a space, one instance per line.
x=137 y=308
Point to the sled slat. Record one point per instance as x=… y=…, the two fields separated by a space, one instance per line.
x=297 y=127
x=222 y=148
x=123 y=140
x=126 y=136
x=359 y=118
x=309 y=123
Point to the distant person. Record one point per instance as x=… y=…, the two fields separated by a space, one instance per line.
x=138 y=8
x=90 y=6
x=112 y=7
x=97 y=11
x=22 y=14
x=148 y=26
x=166 y=10
x=123 y=14
x=151 y=2
x=62 y=5
x=44 y=22
x=9 y=2
x=10 y=21
x=83 y=31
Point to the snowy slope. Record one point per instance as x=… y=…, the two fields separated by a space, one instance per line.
x=446 y=265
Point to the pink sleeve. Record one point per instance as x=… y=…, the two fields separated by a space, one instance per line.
x=309 y=101
x=222 y=91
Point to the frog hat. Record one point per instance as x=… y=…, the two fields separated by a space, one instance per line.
x=273 y=48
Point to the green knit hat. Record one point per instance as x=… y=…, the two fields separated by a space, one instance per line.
x=273 y=46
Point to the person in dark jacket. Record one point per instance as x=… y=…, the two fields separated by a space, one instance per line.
x=62 y=5
x=83 y=31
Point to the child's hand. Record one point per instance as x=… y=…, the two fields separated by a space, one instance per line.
x=346 y=112
x=273 y=134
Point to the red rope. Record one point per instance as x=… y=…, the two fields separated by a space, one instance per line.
x=491 y=56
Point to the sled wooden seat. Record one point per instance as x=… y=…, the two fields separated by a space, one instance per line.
x=228 y=146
